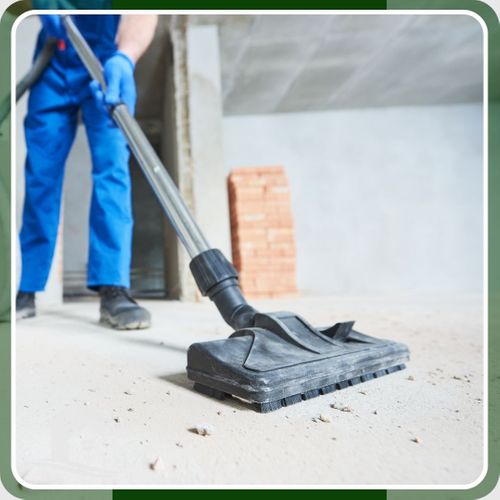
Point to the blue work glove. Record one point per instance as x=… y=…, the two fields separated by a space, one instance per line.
x=52 y=25
x=119 y=76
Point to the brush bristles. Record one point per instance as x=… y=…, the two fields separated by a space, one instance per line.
x=269 y=406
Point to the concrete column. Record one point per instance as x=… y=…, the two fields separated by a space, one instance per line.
x=206 y=134
x=192 y=144
x=176 y=153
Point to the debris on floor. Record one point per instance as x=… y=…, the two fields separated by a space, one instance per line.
x=411 y=378
x=157 y=465
x=203 y=429
x=417 y=440
x=346 y=409
x=324 y=418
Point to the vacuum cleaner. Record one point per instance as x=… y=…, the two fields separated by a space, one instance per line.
x=272 y=360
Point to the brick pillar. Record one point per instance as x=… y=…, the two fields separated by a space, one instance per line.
x=263 y=243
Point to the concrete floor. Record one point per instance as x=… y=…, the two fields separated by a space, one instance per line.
x=95 y=406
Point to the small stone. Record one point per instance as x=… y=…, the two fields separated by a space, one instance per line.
x=117 y=420
x=324 y=418
x=130 y=409
x=411 y=378
x=362 y=392
x=456 y=378
x=346 y=409
x=129 y=392
x=219 y=413
x=417 y=440
x=179 y=445
x=375 y=412
x=203 y=430
x=157 y=465
x=334 y=438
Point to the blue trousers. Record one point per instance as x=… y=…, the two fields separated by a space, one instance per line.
x=50 y=126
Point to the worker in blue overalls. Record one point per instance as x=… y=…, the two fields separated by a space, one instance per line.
x=63 y=91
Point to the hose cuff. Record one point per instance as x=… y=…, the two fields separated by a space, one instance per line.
x=210 y=268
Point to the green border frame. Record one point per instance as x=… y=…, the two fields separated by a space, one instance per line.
x=493 y=26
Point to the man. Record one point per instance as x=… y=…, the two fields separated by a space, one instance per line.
x=64 y=91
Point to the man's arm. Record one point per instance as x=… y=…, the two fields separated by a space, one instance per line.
x=135 y=33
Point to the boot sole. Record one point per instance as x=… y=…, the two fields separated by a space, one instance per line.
x=117 y=323
x=25 y=313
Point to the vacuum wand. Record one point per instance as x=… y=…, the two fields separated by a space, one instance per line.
x=214 y=274
x=156 y=173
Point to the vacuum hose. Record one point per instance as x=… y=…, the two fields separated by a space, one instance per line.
x=30 y=78
x=214 y=274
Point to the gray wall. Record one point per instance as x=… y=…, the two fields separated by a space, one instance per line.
x=385 y=200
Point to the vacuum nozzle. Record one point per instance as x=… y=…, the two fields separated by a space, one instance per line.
x=217 y=278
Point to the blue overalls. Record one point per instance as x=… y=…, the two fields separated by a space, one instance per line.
x=50 y=126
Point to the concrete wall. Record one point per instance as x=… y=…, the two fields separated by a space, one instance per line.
x=385 y=201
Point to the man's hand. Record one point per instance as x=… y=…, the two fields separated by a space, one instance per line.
x=52 y=25
x=119 y=76
x=133 y=38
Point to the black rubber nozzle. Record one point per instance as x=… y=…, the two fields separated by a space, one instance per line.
x=217 y=278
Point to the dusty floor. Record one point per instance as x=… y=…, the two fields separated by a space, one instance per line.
x=95 y=406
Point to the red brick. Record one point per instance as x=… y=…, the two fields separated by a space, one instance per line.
x=262 y=231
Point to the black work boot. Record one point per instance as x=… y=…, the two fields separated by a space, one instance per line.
x=119 y=310
x=25 y=305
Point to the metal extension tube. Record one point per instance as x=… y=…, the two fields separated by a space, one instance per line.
x=166 y=191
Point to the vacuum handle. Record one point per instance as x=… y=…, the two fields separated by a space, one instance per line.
x=165 y=189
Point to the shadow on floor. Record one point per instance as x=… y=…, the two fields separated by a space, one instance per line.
x=181 y=380
x=155 y=344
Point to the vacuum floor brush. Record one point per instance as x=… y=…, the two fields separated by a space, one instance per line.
x=272 y=359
